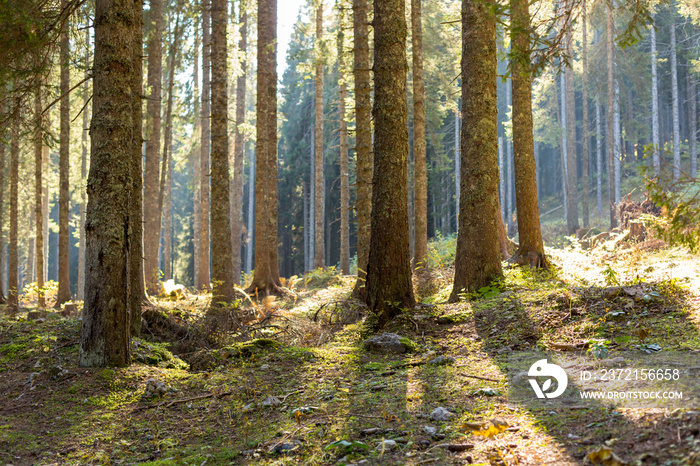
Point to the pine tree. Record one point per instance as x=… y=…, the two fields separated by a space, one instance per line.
x=478 y=256
x=654 y=102
x=610 y=112
x=38 y=191
x=419 y=145
x=344 y=192
x=13 y=256
x=676 y=112
x=585 y=126
x=204 y=167
x=389 y=287
x=319 y=258
x=2 y=191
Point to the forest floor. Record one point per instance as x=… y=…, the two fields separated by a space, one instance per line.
x=313 y=395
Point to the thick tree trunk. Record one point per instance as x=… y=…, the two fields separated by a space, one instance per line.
x=501 y=179
x=105 y=335
x=610 y=112
x=571 y=176
x=344 y=190
x=13 y=259
x=363 y=140
x=478 y=256
x=205 y=173
x=531 y=250
x=238 y=152
x=83 y=176
x=151 y=212
x=38 y=191
x=655 y=102
x=319 y=258
x=222 y=264
x=692 y=123
x=421 y=171
x=63 y=294
x=389 y=287
x=266 y=277
x=584 y=127
x=196 y=162
x=676 y=112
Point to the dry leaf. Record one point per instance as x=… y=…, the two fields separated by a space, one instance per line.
x=605 y=456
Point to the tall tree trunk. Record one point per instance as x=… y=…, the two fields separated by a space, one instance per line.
x=344 y=191
x=319 y=258
x=238 y=153
x=599 y=157
x=266 y=277
x=421 y=171
x=531 y=250
x=13 y=259
x=3 y=134
x=610 y=112
x=196 y=162
x=458 y=180
x=655 y=102
x=83 y=177
x=676 y=115
x=571 y=181
x=63 y=294
x=151 y=212
x=38 y=191
x=389 y=287
x=617 y=142
x=250 y=225
x=564 y=149
x=312 y=183
x=509 y=167
x=167 y=225
x=205 y=174
x=478 y=256
x=692 y=123
x=135 y=273
x=501 y=179
x=363 y=140
x=222 y=263
x=105 y=334
x=584 y=127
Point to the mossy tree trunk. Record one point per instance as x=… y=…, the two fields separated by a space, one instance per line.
x=478 y=256
x=389 y=287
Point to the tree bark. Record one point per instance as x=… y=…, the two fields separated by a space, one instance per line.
x=501 y=179
x=3 y=134
x=655 y=102
x=478 y=256
x=238 y=152
x=151 y=214
x=222 y=263
x=105 y=334
x=250 y=225
x=531 y=250
x=676 y=113
x=266 y=277
x=692 y=123
x=38 y=191
x=389 y=287
x=419 y=145
x=509 y=166
x=617 y=142
x=63 y=294
x=610 y=112
x=344 y=190
x=83 y=176
x=196 y=162
x=205 y=174
x=564 y=148
x=363 y=140
x=13 y=259
x=319 y=258
x=584 y=127
x=599 y=157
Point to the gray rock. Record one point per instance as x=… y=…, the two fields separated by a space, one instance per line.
x=155 y=387
x=249 y=407
x=387 y=343
x=441 y=414
x=264 y=367
x=441 y=361
x=387 y=445
x=271 y=401
x=430 y=430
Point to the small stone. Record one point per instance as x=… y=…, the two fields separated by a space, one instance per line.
x=441 y=414
x=155 y=388
x=283 y=448
x=387 y=445
x=271 y=401
x=441 y=361
x=430 y=430
x=249 y=407
x=389 y=343
x=264 y=367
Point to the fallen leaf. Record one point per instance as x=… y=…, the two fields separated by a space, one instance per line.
x=605 y=456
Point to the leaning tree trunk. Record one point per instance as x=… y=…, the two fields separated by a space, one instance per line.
x=478 y=256
x=531 y=250
x=238 y=152
x=389 y=287
x=204 y=170
x=363 y=140
x=610 y=112
x=676 y=113
x=105 y=334
x=344 y=193
x=222 y=264
x=421 y=172
x=655 y=102
x=266 y=276
x=571 y=184
x=38 y=191
x=319 y=259
x=151 y=214
x=63 y=294
x=13 y=259
x=586 y=123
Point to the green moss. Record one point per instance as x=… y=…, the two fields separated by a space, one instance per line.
x=410 y=346
x=156 y=354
